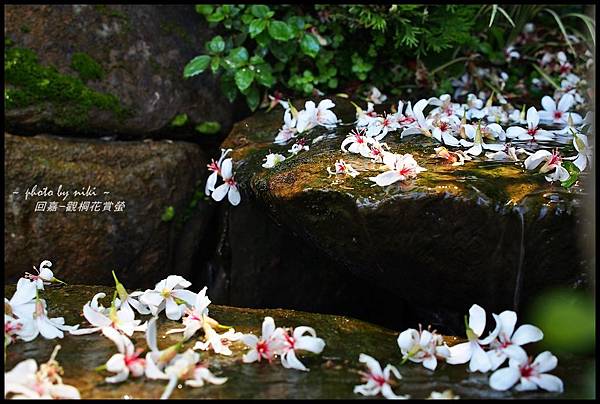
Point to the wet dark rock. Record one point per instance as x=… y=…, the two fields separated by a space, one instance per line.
x=333 y=373
x=130 y=56
x=140 y=242
x=479 y=233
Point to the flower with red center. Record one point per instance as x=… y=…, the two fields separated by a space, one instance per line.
x=358 y=141
x=378 y=381
x=530 y=375
x=558 y=112
x=215 y=167
x=299 y=339
x=265 y=347
x=508 y=342
x=341 y=167
x=400 y=168
x=552 y=161
x=533 y=132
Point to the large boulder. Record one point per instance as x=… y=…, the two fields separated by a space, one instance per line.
x=486 y=232
x=143 y=241
x=333 y=373
x=106 y=70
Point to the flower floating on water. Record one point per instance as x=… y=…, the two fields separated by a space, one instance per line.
x=341 y=167
x=580 y=142
x=401 y=168
x=552 y=161
x=265 y=347
x=423 y=347
x=25 y=381
x=508 y=342
x=509 y=153
x=530 y=375
x=127 y=361
x=472 y=350
x=557 y=112
x=185 y=366
x=219 y=343
x=297 y=340
x=272 y=159
x=533 y=132
x=193 y=318
x=457 y=158
x=377 y=381
x=123 y=320
x=170 y=295
x=282 y=342
x=40 y=323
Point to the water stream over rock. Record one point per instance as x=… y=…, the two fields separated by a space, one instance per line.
x=486 y=232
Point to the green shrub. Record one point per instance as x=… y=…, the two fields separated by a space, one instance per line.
x=306 y=49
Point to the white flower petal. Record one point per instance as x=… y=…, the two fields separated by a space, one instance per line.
x=527 y=333
x=505 y=378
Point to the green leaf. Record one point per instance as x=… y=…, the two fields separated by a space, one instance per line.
x=253 y=98
x=215 y=63
x=196 y=66
x=256 y=27
x=237 y=58
x=228 y=87
x=280 y=52
x=179 y=120
x=216 y=45
x=573 y=174
x=243 y=78
x=204 y=9
x=309 y=45
x=263 y=39
x=216 y=16
x=264 y=75
x=280 y=31
x=168 y=214
x=259 y=10
x=208 y=128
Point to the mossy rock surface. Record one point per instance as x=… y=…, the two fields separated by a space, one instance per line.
x=148 y=176
x=98 y=70
x=485 y=232
x=333 y=373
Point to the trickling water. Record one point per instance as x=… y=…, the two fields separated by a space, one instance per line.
x=519 y=278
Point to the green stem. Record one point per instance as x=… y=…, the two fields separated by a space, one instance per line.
x=442 y=67
x=100 y=368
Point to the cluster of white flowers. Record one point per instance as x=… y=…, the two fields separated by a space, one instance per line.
x=25 y=314
x=487 y=354
x=283 y=342
x=311 y=116
x=224 y=169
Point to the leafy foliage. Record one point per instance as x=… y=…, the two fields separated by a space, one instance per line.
x=307 y=49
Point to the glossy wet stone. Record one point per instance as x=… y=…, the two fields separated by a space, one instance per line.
x=333 y=374
x=485 y=232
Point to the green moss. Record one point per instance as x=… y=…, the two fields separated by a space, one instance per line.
x=179 y=120
x=87 y=67
x=29 y=83
x=208 y=127
x=25 y=29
